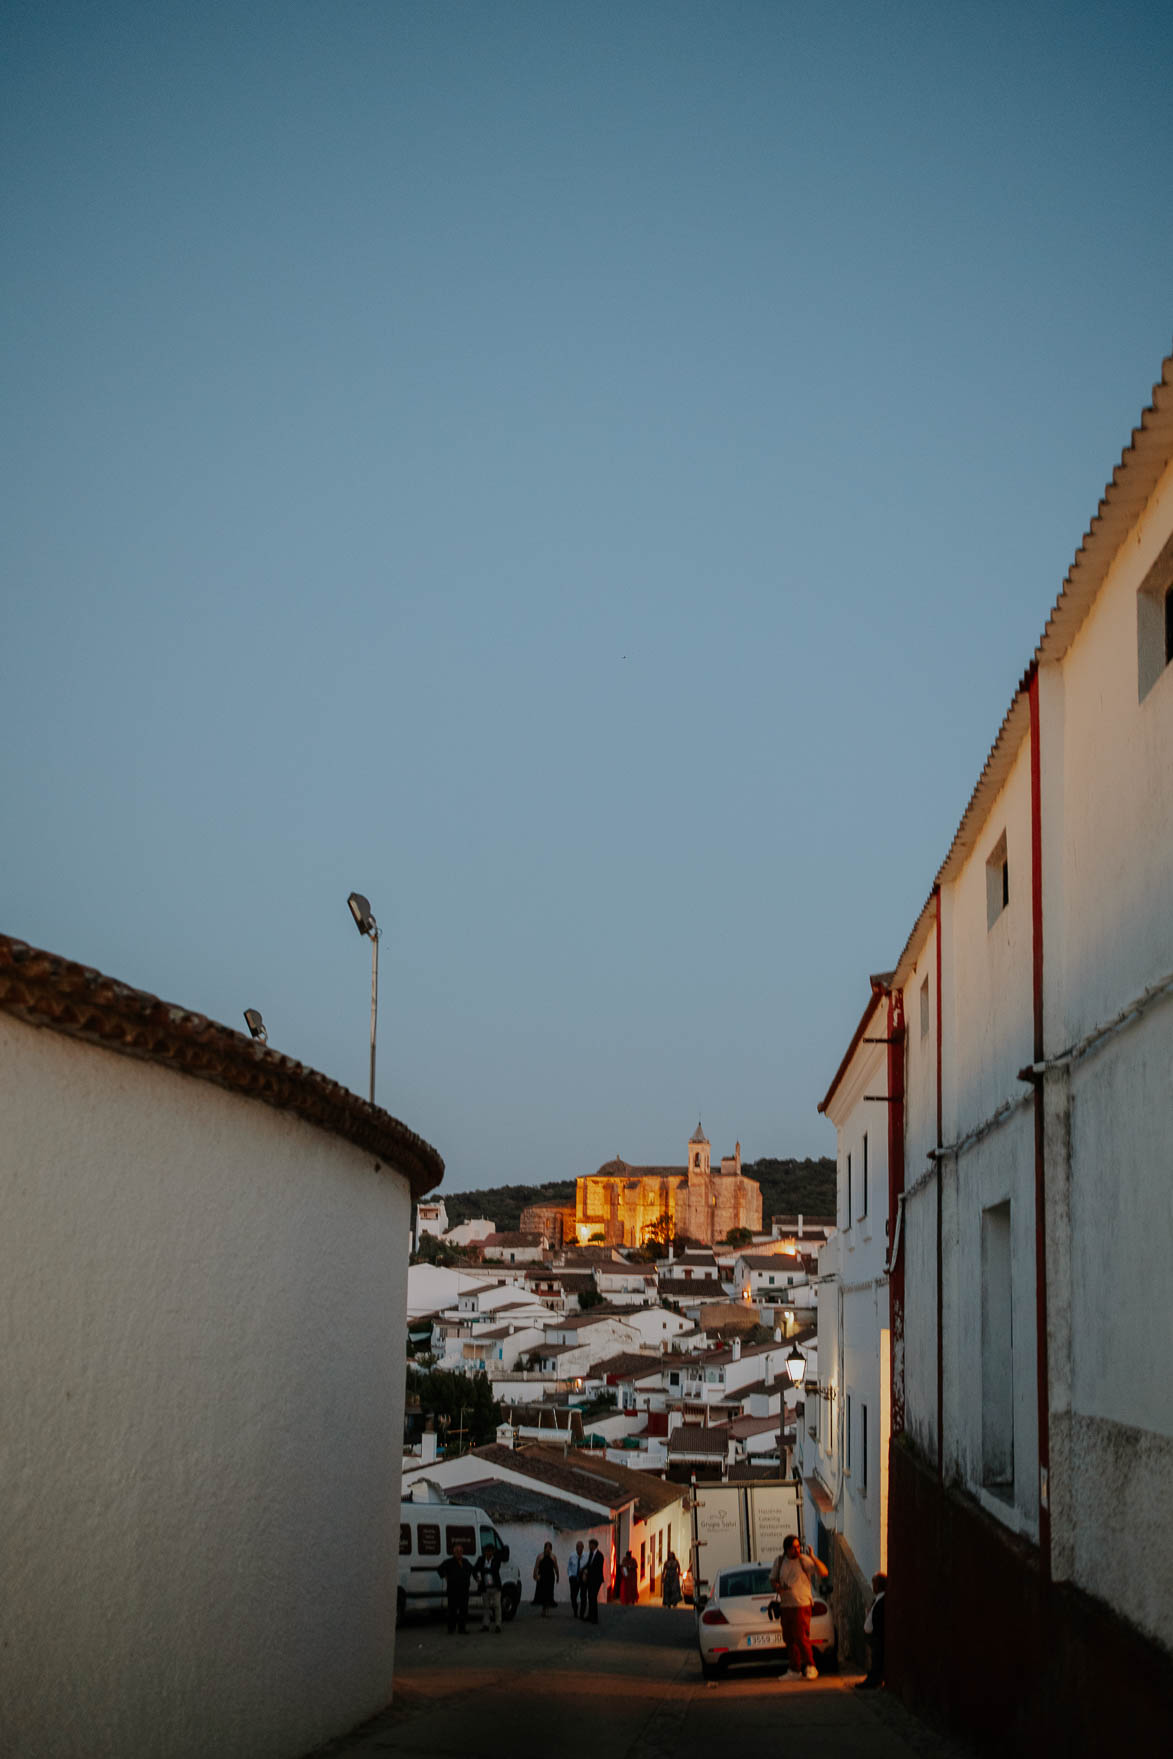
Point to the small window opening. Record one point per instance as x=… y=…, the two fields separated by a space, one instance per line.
x=997 y=881
x=924 y=1008
x=997 y=1353
x=1154 y=623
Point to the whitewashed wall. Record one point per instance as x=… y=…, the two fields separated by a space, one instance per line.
x=202 y=1366
x=986 y=975
x=1108 y=823
x=854 y=1355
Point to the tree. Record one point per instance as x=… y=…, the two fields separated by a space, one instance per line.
x=462 y=1409
x=738 y=1237
x=434 y=1250
x=589 y=1298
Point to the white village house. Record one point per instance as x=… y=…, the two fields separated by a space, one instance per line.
x=1030 y=1041
x=843 y=1437
x=203 y=1250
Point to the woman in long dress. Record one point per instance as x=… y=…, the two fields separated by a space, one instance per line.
x=629 y=1581
x=545 y=1576
x=670 y=1581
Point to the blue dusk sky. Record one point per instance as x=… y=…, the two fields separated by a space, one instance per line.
x=589 y=476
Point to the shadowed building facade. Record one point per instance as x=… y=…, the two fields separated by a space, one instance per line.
x=629 y=1206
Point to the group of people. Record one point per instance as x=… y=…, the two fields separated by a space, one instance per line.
x=584 y=1576
x=459 y=1576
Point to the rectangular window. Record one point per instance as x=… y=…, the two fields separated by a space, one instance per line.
x=404 y=1539
x=997 y=1353
x=463 y=1536
x=863 y=1181
x=427 y=1539
x=1154 y=622
x=997 y=881
x=863 y=1448
x=848 y=1221
x=924 y=1008
x=847 y=1436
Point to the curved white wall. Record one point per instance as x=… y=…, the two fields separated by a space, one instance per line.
x=202 y=1367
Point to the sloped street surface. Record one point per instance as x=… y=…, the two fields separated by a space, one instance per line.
x=629 y=1689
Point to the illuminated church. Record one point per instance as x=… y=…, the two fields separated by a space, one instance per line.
x=622 y=1205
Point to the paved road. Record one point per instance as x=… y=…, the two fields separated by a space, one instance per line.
x=629 y=1689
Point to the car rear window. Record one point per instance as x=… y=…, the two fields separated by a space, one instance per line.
x=737 y=1582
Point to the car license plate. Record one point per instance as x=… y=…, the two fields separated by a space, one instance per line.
x=764 y=1640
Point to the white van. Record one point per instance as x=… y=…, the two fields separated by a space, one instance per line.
x=427 y=1533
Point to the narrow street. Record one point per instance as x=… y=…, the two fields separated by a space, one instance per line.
x=630 y=1689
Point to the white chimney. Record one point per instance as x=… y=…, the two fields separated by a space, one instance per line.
x=777 y=1334
x=506 y=1435
x=736 y=1348
x=428 y=1447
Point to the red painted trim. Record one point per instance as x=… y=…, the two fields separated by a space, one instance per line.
x=895 y=1192
x=940 y=1254
x=1036 y=917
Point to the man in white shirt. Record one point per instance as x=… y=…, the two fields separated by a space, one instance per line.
x=574 y=1576
x=791 y=1579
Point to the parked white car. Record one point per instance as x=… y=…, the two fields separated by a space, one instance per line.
x=736 y=1624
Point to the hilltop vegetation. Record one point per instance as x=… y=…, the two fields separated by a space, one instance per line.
x=788 y=1186
x=503 y=1204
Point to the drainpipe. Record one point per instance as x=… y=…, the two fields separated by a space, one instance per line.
x=1042 y=1383
x=895 y=1037
x=940 y=1252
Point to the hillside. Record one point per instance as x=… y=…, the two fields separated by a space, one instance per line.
x=793 y=1186
x=787 y=1186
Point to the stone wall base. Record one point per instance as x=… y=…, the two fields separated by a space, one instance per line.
x=976 y=1636
x=850 y=1599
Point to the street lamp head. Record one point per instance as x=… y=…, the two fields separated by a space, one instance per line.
x=256 y=1025
x=796 y=1366
x=360 y=909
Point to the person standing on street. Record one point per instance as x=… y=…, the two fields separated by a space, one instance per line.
x=874 y=1629
x=791 y=1579
x=545 y=1575
x=457 y=1573
x=487 y=1571
x=593 y=1572
x=575 y=1565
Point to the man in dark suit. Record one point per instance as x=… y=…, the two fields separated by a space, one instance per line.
x=456 y=1571
x=592 y=1572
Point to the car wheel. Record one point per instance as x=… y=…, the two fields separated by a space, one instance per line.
x=510 y=1601
x=828 y=1660
x=713 y=1670
x=400 y=1607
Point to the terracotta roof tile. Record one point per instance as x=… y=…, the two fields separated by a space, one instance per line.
x=587 y=1475
x=45 y=990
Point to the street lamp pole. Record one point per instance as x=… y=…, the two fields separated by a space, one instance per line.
x=365 y=922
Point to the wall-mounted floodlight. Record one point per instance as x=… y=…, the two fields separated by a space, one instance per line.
x=360 y=909
x=256 y=1025
x=796 y=1366
x=364 y=921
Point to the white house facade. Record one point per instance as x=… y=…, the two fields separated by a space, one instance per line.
x=1030 y=1290
x=849 y=1409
